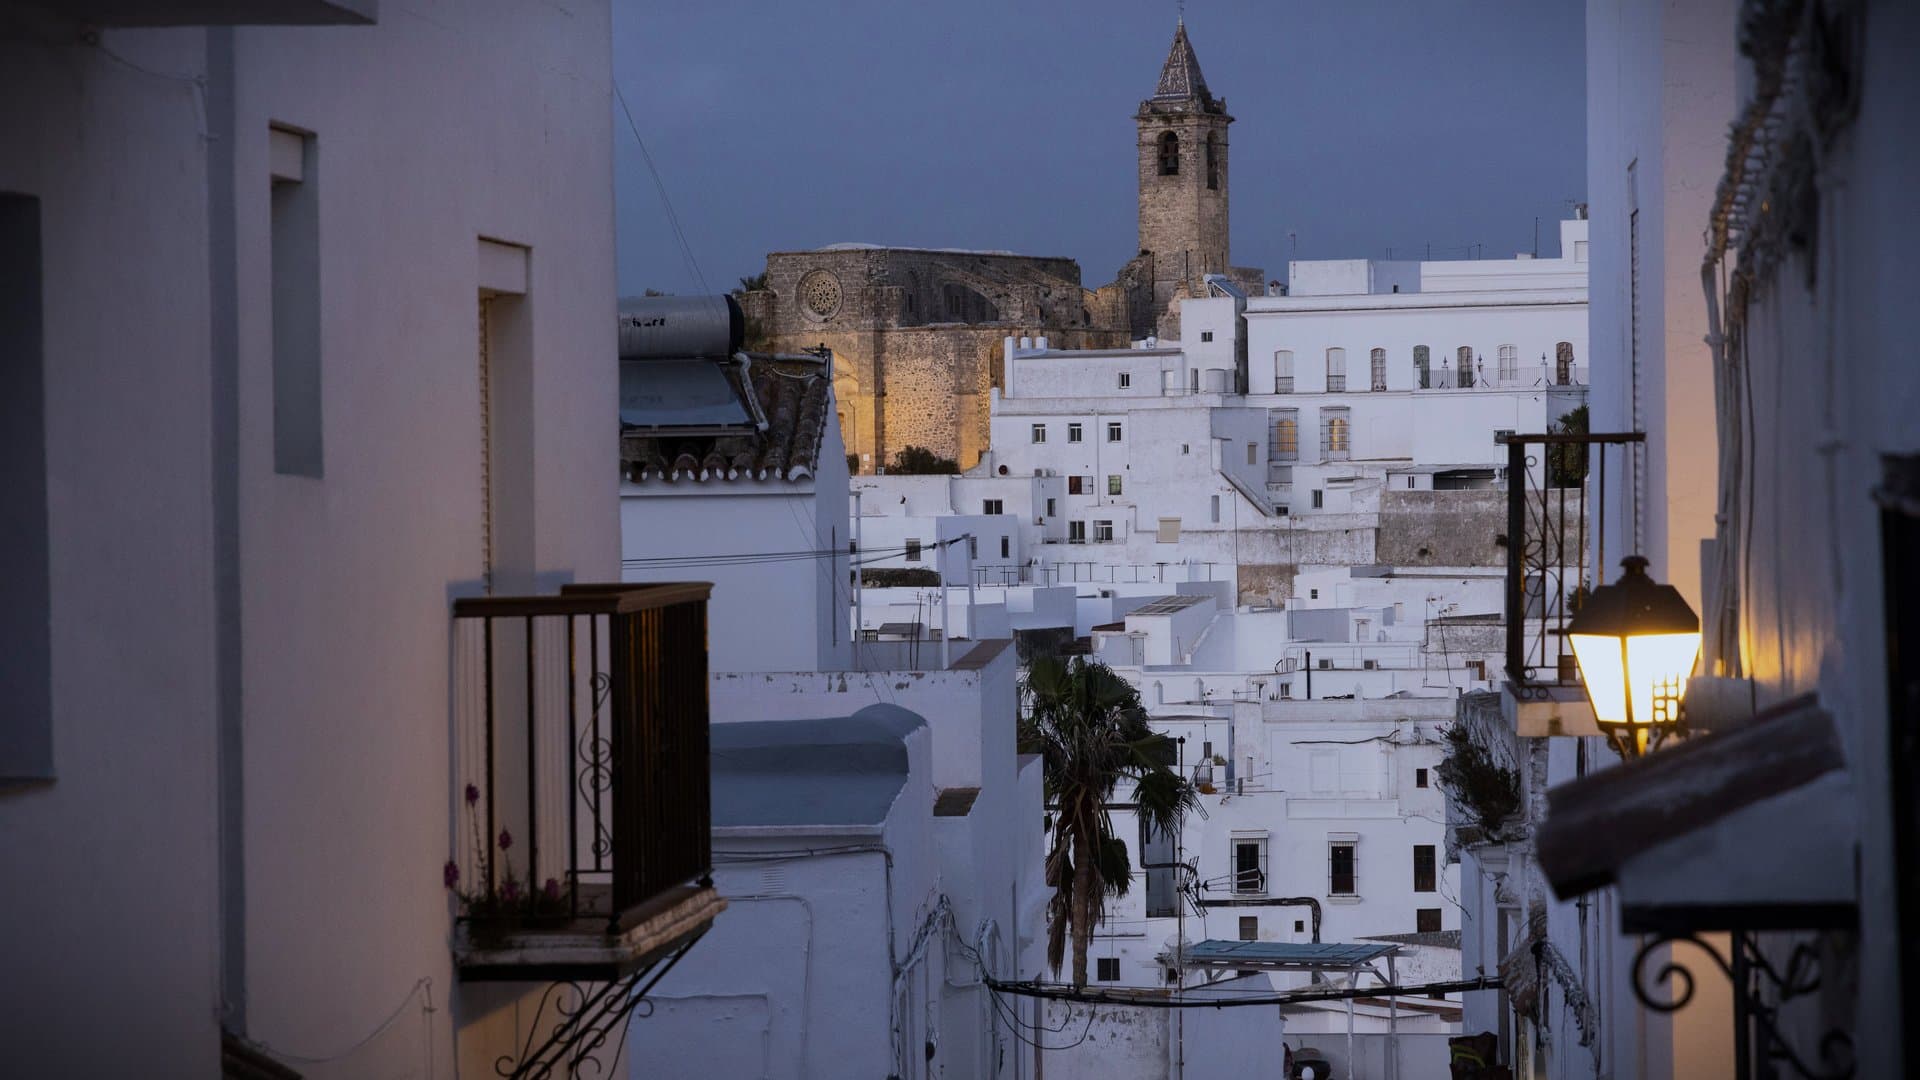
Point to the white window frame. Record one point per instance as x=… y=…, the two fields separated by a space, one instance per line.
x=1126 y=379
x=1103 y=531
x=991 y=507
x=1074 y=432
x=1336 y=370
x=1256 y=839
x=1283 y=371
x=1352 y=842
x=1114 y=431
x=1039 y=433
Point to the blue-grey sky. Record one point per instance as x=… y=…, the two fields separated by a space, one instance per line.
x=1362 y=127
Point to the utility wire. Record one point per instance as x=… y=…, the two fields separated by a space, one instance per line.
x=673 y=219
x=1156 y=999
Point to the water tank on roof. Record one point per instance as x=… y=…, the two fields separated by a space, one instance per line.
x=680 y=327
x=1216 y=380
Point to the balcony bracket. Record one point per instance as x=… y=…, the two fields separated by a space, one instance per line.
x=585 y=1018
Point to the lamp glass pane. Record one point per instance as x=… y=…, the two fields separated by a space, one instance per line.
x=1599 y=657
x=1653 y=659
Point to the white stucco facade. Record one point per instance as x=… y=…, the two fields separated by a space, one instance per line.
x=242 y=646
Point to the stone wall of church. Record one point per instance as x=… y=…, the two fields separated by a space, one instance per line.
x=917 y=335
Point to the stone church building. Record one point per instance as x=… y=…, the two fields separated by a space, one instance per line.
x=917 y=333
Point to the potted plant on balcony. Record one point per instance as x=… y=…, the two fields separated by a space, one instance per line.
x=503 y=903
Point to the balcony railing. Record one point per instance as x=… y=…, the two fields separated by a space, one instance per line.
x=580 y=757
x=1548 y=506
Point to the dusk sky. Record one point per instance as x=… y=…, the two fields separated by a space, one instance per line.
x=1363 y=129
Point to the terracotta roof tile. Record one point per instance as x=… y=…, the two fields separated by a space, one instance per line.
x=794 y=397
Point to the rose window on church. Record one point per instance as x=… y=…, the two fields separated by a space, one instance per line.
x=820 y=294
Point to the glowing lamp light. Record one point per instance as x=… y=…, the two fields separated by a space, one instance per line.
x=1636 y=642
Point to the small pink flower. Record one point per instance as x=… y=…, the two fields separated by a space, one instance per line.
x=473 y=794
x=506 y=840
x=553 y=888
x=510 y=891
x=450 y=874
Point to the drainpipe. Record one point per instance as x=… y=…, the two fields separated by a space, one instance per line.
x=1309 y=674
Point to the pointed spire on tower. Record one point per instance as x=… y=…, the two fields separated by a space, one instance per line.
x=1180 y=77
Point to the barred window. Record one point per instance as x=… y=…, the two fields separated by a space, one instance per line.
x=1336 y=370
x=1336 y=426
x=1283 y=371
x=1463 y=367
x=1422 y=367
x=1509 y=363
x=1378 y=362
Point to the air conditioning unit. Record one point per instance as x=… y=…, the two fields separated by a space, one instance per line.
x=1326 y=665
x=1369 y=665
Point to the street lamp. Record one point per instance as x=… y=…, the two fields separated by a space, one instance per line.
x=1636 y=642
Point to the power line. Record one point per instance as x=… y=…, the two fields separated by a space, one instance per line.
x=1157 y=999
x=673 y=219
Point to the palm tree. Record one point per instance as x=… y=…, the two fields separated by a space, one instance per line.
x=1091 y=732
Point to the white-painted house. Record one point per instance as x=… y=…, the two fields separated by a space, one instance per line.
x=733 y=471
x=275 y=397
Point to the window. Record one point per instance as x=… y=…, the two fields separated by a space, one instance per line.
x=1113 y=484
x=1193 y=381
x=1076 y=532
x=992 y=506
x=1249 y=928
x=973 y=547
x=1006 y=545
x=1426 y=920
x=1579 y=251
x=1103 y=532
x=1113 y=432
x=1076 y=485
x=1423 y=869
x=1107 y=968
x=1283 y=444
x=1422 y=367
x=1168 y=532
x=26 y=675
x=1157 y=848
x=1342 y=878
x=1409 y=483
x=1478 y=669
x=1314 y=594
x=1213 y=161
x=505 y=361
x=913 y=551
x=1039 y=433
x=1185 y=449
x=1419 y=778
x=1283 y=371
x=1509 y=356
x=1074 y=432
x=1463 y=367
x=1501 y=433
x=1335 y=433
x=294 y=273
x=1206 y=335
x=1126 y=379
x=1377 y=360
x=1299 y=926
x=1216 y=510
x=1336 y=370
x=1169 y=154
x=1050 y=512
x=1253 y=453
x=1250 y=864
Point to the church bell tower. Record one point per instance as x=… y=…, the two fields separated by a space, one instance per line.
x=1182 y=133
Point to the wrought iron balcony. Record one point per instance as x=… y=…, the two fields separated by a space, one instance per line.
x=581 y=788
x=1556 y=485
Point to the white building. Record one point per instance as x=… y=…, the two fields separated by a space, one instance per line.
x=1255 y=446
x=867 y=862
x=1783 y=138
x=732 y=470
x=269 y=320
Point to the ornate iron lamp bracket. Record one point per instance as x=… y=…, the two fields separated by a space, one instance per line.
x=1760 y=989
